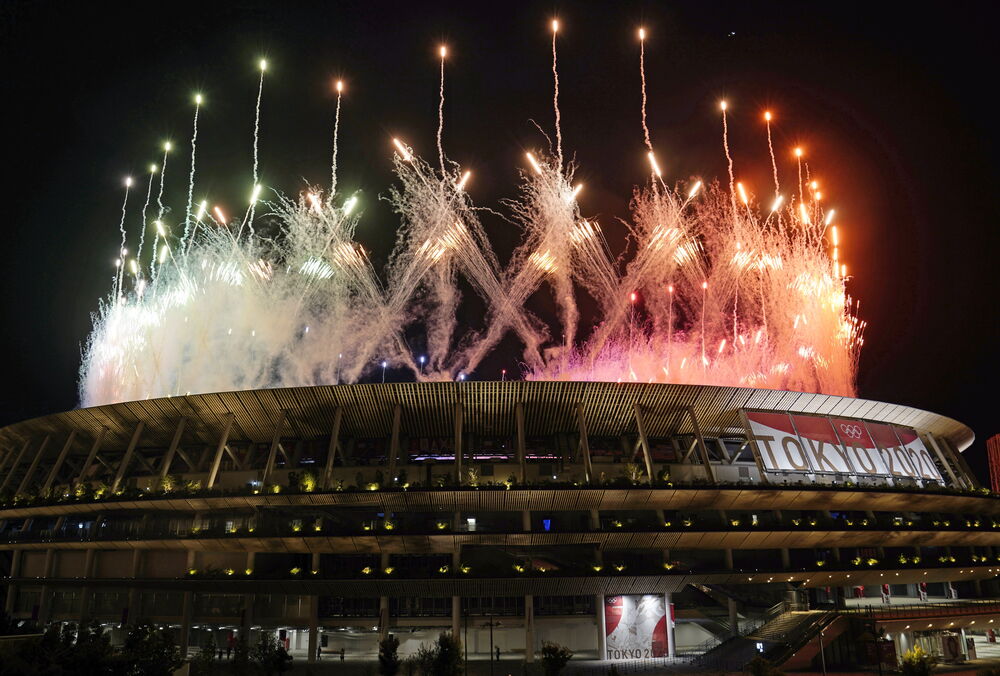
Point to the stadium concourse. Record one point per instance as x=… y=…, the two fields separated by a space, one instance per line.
x=625 y=521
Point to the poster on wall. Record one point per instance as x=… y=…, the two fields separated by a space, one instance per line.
x=635 y=626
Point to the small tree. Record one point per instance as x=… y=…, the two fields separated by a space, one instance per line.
x=917 y=662
x=423 y=661
x=150 y=652
x=448 y=656
x=270 y=656
x=759 y=666
x=241 y=656
x=554 y=658
x=388 y=656
x=201 y=665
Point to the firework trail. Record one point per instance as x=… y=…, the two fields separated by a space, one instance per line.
x=770 y=148
x=642 y=75
x=190 y=200
x=159 y=207
x=145 y=208
x=121 y=249
x=248 y=219
x=440 y=129
x=336 y=138
x=555 y=94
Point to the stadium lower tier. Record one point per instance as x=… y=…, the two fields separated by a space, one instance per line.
x=624 y=521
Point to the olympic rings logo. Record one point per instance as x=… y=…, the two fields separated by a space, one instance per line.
x=851 y=431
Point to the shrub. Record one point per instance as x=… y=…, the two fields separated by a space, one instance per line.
x=554 y=658
x=917 y=662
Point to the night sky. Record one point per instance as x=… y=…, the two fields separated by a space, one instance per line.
x=891 y=106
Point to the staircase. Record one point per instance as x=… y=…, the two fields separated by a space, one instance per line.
x=774 y=640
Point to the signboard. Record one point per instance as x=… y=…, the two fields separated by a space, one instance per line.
x=635 y=626
x=817 y=444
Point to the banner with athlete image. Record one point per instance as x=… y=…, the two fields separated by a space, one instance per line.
x=635 y=626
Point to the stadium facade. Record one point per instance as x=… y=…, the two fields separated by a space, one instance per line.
x=624 y=520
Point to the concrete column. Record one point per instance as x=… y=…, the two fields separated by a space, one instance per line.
x=734 y=620
x=529 y=629
x=383 y=604
x=602 y=627
x=671 y=643
x=86 y=591
x=526 y=521
x=15 y=571
x=786 y=558
x=248 y=601
x=729 y=559
x=45 y=598
x=313 y=617
x=187 y=609
x=133 y=592
x=456 y=601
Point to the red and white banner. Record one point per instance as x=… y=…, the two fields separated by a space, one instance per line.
x=635 y=626
x=816 y=444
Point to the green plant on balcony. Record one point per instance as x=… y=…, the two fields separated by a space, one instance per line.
x=295 y=571
x=389 y=570
x=465 y=569
x=734 y=522
x=518 y=568
x=856 y=560
x=634 y=472
x=872 y=562
x=307 y=481
x=472 y=477
x=796 y=522
x=442 y=525
x=688 y=522
x=388 y=524
x=444 y=569
x=669 y=566
x=616 y=523
x=367 y=570
x=820 y=563
x=620 y=567
x=169 y=483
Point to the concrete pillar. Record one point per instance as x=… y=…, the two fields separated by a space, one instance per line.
x=729 y=559
x=526 y=521
x=133 y=592
x=456 y=601
x=602 y=627
x=383 y=605
x=786 y=559
x=734 y=620
x=313 y=617
x=529 y=629
x=86 y=591
x=671 y=643
x=248 y=601
x=45 y=598
x=187 y=610
x=15 y=571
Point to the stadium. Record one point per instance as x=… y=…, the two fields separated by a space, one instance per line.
x=623 y=520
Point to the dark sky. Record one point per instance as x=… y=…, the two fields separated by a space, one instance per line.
x=891 y=104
